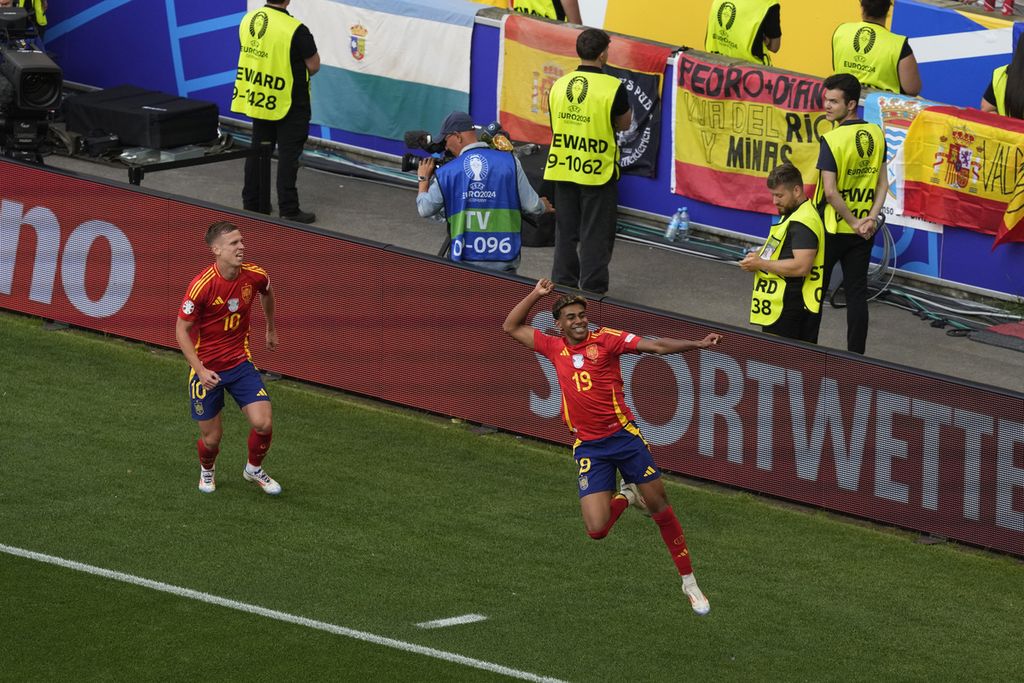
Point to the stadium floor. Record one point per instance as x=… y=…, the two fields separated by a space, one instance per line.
x=707 y=289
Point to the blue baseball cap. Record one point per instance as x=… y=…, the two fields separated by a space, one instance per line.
x=456 y=122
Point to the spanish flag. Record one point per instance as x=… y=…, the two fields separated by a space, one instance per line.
x=965 y=168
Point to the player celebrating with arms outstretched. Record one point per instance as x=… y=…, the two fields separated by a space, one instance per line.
x=213 y=333
x=595 y=410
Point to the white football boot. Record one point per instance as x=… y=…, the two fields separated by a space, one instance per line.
x=207 y=480
x=698 y=602
x=263 y=480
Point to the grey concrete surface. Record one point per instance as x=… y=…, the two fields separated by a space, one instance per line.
x=656 y=277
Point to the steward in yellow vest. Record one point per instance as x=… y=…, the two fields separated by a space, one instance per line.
x=264 y=80
x=277 y=57
x=852 y=186
x=858 y=153
x=878 y=57
x=587 y=108
x=744 y=29
x=788 y=276
x=1005 y=94
x=559 y=10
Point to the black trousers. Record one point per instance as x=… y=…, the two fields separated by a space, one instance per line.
x=289 y=136
x=585 y=217
x=795 y=321
x=854 y=253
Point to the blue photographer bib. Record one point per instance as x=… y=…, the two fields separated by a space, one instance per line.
x=482 y=203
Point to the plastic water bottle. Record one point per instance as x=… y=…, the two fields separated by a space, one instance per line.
x=684 y=224
x=679 y=226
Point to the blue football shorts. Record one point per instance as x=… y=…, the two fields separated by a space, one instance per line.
x=243 y=382
x=625 y=451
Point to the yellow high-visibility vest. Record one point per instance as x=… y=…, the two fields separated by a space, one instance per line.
x=768 y=297
x=583 y=146
x=859 y=151
x=36 y=9
x=263 y=83
x=870 y=52
x=732 y=28
x=536 y=8
x=999 y=88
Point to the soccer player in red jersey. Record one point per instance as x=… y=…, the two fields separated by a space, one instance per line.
x=595 y=410
x=213 y=332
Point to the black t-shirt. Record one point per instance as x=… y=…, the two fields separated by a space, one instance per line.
x=770 y=28
x=621 y=103
x=798 y=236
x=303 y=47
x=990 y=95
x=906 y=50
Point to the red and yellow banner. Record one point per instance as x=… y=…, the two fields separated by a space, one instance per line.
x=537 y=53
x=735 y=123
x=966 y=168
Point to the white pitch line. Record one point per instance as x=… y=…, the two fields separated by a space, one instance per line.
x=453 y=621
x=279 y=616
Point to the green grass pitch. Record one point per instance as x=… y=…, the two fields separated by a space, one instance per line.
x=390 y=518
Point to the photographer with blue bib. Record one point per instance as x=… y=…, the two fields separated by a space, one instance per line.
x=483 y=192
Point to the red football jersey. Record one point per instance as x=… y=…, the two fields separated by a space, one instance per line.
x=220 y=309
x=593 y=403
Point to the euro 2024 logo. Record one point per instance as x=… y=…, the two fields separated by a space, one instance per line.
x=726 y=15
x=864 y=39
x=476 y=169
x=258 y=25
x=865 y=144
x=863 y=42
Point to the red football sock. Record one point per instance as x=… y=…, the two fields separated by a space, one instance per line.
x=618 y=505
x=258 y=446
x=672 y=534
x=207 y=456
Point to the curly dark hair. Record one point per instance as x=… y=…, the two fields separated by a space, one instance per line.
x=567 y=300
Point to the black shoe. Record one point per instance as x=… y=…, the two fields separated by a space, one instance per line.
x=300 y=216
x=267 y=212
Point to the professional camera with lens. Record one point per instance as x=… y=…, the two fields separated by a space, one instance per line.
x=493 y=134
x=30 y=87
x=421 y=139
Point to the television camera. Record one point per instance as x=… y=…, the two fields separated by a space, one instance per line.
x=30 y=87
x=493 y=134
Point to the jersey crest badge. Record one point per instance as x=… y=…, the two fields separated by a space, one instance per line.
x=584 y=482
x=198 y=406
x=246 y=292
x=187 y=307
x=577 y=360
x=232 y=305
x=593 y=352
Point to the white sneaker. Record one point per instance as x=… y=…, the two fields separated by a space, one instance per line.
x=264 y=481
x=207 y=480
x=632 y=494
x=698 y=602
